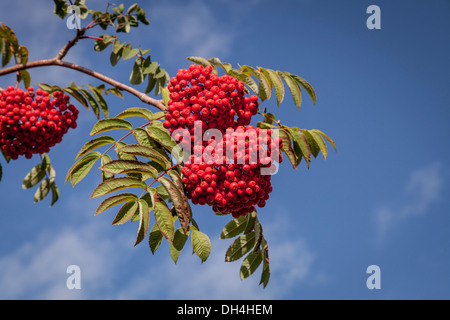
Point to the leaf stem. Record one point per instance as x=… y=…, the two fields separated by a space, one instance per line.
x=156 y=179
x=131 y=131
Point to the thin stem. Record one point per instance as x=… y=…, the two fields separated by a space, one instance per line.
x=156 y=179
x=265 y=116
x=15 y=61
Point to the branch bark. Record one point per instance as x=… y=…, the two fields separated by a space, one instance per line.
x=57 y=61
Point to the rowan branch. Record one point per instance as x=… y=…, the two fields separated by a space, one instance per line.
x=57 y=61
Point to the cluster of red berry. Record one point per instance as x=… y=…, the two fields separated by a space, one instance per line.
x=230 y=188
x=33 y=122
x=197 y=94
x=229 y=184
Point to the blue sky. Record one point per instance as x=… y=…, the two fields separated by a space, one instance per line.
x=382 y=95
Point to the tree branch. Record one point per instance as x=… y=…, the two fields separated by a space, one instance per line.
x=57 y=61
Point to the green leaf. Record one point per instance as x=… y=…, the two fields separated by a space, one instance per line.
x=240 y=247
x=115 y=92
x=217 y=63
x=151 y=84
x=25 y=77
x=92 y=102
x=265 y=275
x=155 y=238
x=163 y=216
x=42 y=190
x=100 y=45
x=126 y=212
x=94 y=144
x=144 y=220
x=106 y=175
x=115 y=200
x=101 y=101
x=300 y=139
x=110 y=124
x=23 y=54
x=201 y=61
x=55 y=194
x=293 y=87
x=140 y=150
x=179 y=239
x=251 y=262
x=135 y=112
x=318 y=139
x=7 y=55
x=161 y=135
x=60 y=8
x=126 y=166
x=143 y=138
x=264 y=87
x=150 y=68
x=117 y=46
x=137 y=76
x=118 y=9
x=200 y=244
x=34 y=176
x=82 y=167
x=326 y=137
x=116 y=184
x=114 y=58
x=265 y=83
x=234 y=227
x=129 y=52
x=246 y=78
x=165 y=95
x=78 y=96
x=287 y=147
x=306 y=86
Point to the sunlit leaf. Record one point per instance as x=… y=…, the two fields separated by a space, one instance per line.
x=81 y=167
x=251 y=262
x=116 y=184
x=126 y=166
x=201 y=244
x=144 y=151
x=240 y=247
x=94 y=144
x=135 y=112
x=115 y=200
x=177 y=245
x=144 y=219
x=293 y=87
x=234 y=227
x=110 y=124
x=125 y=212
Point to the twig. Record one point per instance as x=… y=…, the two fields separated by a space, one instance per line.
x=57 y=61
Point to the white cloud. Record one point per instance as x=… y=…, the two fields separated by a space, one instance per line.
x=420 y=193
x=112 y=269
x=37 y=270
